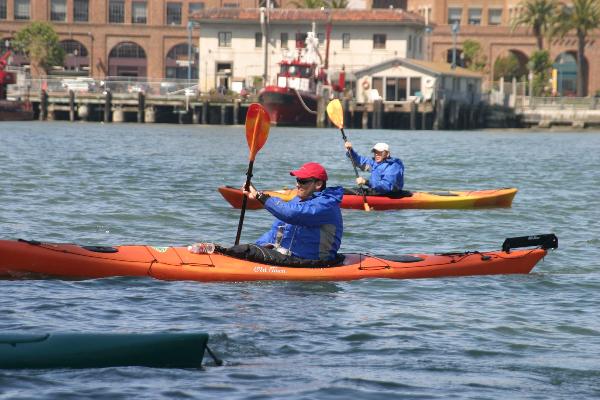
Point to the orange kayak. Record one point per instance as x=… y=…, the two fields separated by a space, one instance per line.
x=446 y=199
x=22 y=259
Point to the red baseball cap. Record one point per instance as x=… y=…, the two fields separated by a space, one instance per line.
x=310 y=170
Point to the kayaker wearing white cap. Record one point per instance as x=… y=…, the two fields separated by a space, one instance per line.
x=387 y=173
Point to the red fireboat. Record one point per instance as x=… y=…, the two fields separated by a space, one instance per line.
x=11 y=110
x=292 y=101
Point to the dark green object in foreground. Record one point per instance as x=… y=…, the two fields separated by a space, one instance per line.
x=98 y=350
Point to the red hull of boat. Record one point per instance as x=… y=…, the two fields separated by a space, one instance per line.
x=285 y=107
x=15 y=111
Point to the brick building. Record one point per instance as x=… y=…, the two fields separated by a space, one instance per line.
x=132 y=38
x=488 y=22
x=115 y=37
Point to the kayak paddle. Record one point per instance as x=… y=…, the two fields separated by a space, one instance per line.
x=336 y=116
x=257 y=131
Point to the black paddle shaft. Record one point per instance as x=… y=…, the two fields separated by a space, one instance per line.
x=351 y=158
x=244 y=202
x=364 y=195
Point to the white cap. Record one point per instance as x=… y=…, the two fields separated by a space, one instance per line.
x=381 y=147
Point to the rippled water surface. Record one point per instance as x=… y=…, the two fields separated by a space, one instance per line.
x=531 y=337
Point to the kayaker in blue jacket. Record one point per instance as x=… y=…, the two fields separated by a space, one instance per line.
x=387 y=173
x=310 y=225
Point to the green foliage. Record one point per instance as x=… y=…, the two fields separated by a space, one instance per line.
x=583 y=17
x=540 y=16
x=475 y=60
x=309 y=3
x=507 y=67
x=337 y=3
x=541 y=65
x=540 y=61
x=40 y=43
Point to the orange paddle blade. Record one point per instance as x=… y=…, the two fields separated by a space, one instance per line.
x=257 y=128
x=335 y=112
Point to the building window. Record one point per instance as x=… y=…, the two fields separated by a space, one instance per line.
x=284 y=40
x=415 y=86
x=116 y=11
x=194 y=7
x=2 y=9
x=178 y=62
x=127 y=50
x=139 y=12
x=454 y=15
x=395 y=89
x=22 y=9
x=321 y=37
x=494 y=16
x=345 y=40
x=58 y=10
x=224 y=39
x=410 y=38
x=377 y=84
x=231 y=5
x=474 y=16
x=379 y=40
x=173 y=13
x=398 y=4
x=258 y=39
x=81 y=10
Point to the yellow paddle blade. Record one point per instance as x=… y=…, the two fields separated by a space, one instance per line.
x=257 y=128
x=335 y=112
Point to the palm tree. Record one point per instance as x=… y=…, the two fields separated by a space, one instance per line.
x=582 y=16
x=539 y=15
x=337 y=3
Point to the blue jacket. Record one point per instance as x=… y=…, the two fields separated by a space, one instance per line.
x=386 y=176
x=312 y=229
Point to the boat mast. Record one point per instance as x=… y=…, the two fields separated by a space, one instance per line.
x=264 y=22
x=327 y=40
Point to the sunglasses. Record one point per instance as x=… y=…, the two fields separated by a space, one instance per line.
x=304 y=181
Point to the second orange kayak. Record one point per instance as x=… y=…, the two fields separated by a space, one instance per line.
x=460 y=199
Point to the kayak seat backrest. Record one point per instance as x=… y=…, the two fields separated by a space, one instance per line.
x=16 y=338
x=399 y=195
x=403 y=258
x=101 y=249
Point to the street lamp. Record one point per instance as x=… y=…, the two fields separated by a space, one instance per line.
x=455 y=29
x=190 y=27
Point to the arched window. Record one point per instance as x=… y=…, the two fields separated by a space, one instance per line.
x=76 y=56
x=127 y=50
x=127 y=59
x=178 y=61
x=566 y=74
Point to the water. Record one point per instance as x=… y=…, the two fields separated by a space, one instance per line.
x=529 y=337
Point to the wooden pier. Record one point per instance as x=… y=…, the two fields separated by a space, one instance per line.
x=231 y=110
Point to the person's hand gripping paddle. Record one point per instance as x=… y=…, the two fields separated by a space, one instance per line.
x=257 y=131
x=336 y=116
